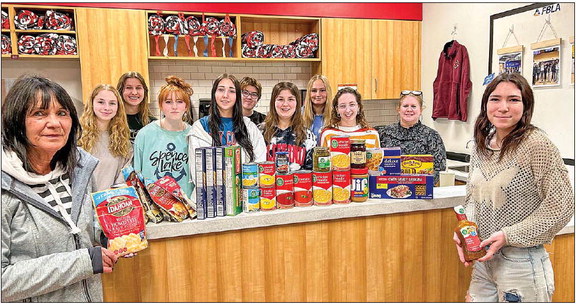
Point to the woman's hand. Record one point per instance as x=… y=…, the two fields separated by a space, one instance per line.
x=460 y=250
x=496 y=241
x=109 y=259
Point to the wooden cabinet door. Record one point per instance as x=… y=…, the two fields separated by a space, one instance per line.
x=395 y=57
x=112 y=42
x=346 y=53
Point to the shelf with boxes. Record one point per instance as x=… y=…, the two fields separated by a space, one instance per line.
x=38 y=32
x=200 y=36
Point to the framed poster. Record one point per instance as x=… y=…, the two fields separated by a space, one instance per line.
x=510 y=60
x=546 y=63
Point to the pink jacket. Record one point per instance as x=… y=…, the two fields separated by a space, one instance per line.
x=452 y=84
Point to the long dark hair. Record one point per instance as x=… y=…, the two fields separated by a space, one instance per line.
x=21 y=98
x=296 y=122
x=483 y=129
x=240 y=130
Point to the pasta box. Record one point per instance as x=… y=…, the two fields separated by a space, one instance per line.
x=417 y=186
x=383 y=161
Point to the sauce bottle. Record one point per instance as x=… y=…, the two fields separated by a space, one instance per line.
x=467 y=232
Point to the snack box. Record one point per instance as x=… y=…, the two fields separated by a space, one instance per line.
x=232 y=167
x=417 y=164
x=418 y=186
x=383 y=161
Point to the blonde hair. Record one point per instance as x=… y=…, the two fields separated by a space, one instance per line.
x=119 y=144
x=143 y=107
x=308 y=114
x=418 y=98
x=178 y=85
x=296 y=120
x=360 y=118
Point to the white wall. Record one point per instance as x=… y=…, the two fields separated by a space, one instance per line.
x=554 y=110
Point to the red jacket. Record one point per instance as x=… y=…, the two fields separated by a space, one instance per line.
x=452 y=84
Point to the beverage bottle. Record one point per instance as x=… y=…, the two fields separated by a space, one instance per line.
x=467 y=232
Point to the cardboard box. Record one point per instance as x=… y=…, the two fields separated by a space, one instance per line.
x=418 y=186
x=383 y=161
x=417 y=164
x=232 y=167
x=200 y=163
x=220 y=188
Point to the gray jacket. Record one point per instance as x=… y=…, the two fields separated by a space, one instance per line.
x=41 y=260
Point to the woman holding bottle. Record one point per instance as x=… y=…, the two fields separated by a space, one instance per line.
x=161 y=147
x=106 y=136
x=317 y=104
x=134 y=92
x=283 y=129
x=348 y=119
x=518 y=193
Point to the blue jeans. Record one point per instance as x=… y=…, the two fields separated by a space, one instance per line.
x=513 y=275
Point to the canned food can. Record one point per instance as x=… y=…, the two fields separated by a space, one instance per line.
x=340 y=153
x=251 y=199
x=282 y=162
x=302 y=188
x=250 y=175
x=322 y=188
x=267 y=199
x=267 y=173
x=341 y=181
x=284 y=191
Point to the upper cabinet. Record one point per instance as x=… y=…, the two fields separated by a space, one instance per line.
x=39 y=32
x=382 y=57
x=210 y=36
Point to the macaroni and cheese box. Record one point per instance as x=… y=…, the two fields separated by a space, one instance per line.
x=121 y=216
x=220 y=188
x=417 y=164
x=200 y=168
x=383 y=161
x=211 y=195
x=402 y=186
x=232 y=167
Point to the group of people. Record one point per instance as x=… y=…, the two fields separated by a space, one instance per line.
x=53 y=250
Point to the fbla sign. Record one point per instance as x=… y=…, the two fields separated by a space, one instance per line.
x=548 y=9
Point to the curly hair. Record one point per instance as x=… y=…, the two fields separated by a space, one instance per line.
x=175 y=84
x=143 y=107
x=119 y=144
x=295 y=122
x=308 y=115
x=360 y=118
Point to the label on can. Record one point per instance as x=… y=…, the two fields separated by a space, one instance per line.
x=284 y=191
x=250 y=175
x=322 y=188
x=267 y=199
x=282 y=162
x=251 y=199
x=302 y=188
x=267 y=173
x=340 y=153
x=341 y=181
x=359 y=191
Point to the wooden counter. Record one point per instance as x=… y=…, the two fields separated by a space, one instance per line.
x=387 y=257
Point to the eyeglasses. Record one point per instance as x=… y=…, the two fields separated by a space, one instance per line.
x=408 y=92
x=250 y=94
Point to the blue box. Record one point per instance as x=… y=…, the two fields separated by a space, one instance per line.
x=418 y=186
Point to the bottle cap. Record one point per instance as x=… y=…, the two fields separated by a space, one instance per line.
x=459 y=209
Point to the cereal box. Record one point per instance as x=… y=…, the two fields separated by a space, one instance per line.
x=121 y=217
x=340 y=153
x=322 y=188
x=402 y=186
x=211 y=195
x=200 y=163
x=417 y=164
x=232 y=167
x=220 y=187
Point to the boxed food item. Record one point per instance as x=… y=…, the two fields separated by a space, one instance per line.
x=200 y=168
x=211 y=195
x=383 y=161
x=417 y=164
x=220 y=188
x=232 y=167
x=402 y=186
x=121 y=216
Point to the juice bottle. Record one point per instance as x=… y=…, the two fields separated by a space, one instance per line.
x=467 y=232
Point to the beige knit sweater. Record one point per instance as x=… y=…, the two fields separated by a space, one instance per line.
x=527 y=194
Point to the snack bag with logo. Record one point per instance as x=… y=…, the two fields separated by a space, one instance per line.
x=151 y=210
x=177 y=210
x=121 y=217
x=169 y=184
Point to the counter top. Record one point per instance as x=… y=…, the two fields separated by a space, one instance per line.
x=444 y=197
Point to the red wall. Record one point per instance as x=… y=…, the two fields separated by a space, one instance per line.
x=394 y=11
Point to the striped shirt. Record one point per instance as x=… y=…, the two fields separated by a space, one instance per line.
x=65 y=197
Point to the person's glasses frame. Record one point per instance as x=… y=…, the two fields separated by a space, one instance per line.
x=408 y=92
x=247 y=94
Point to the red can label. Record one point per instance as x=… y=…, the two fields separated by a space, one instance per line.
x=267 y=199
x=341 y=187
x=322 y=188
x=267 y=171
x=303 y=188
x=340 y=153
x=284 y=191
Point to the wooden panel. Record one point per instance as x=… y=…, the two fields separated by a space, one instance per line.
x=395 y=57
x=407 y=257
x=111 y=42
x=346 y=53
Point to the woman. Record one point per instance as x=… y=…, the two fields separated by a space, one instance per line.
x=134 y=91
x=106 y=135
x=518 y=193
x=283 y=129
x=226 y=126
x=48 y=227
x=317 y=104
x=161 y=147
x=411 y=135
x=348 y=119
